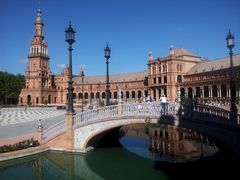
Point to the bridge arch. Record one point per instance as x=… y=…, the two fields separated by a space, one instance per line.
x=83 y=135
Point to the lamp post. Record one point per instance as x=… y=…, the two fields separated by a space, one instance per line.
x=179 y=80
x=82 y=76
x=107 y=56
x=70 y=38
x=98 y=101
x=230 y=45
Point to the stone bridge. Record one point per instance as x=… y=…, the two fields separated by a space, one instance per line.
x=74 y=133
x=77 y=130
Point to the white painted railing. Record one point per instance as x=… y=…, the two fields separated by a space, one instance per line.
x=95 y=115
x=127 y=110
x=155 y=109
x=53 y=131
x=149 y=109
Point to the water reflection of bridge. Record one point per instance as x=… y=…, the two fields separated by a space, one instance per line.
x=170 y=143
x=62 y=166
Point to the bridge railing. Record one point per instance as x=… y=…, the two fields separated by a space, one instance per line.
x=211 y=114
x=149 y=109
x=128 y=109
x=95 y=115
x=53 y=131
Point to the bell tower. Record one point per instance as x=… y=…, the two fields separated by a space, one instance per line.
x=39 y=81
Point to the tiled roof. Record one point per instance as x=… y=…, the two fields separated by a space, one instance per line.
x=222 y=63
x=178 y=52
x=112 y=78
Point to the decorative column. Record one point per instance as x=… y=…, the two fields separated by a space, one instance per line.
x=69 y=144
x=203 y=92
x=120 y=104
x=157 y=94
x=39 y=132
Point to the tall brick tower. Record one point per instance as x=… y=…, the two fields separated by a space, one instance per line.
x=39 y=87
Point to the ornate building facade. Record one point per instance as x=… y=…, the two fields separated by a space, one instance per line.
x=179 y=73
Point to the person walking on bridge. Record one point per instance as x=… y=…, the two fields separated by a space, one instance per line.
x=163 y=100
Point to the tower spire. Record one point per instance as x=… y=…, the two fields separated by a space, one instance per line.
x=150 y=56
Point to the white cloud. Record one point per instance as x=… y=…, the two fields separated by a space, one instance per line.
x=23 y=61
x=61 y=65
x=82 y=66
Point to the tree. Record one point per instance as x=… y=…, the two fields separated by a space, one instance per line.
x=10 y=87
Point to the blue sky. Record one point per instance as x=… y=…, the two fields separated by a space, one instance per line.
x=132 y=28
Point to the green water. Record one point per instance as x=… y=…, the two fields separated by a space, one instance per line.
x=138 y=152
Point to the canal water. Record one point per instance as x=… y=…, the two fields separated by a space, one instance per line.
x=140 y=151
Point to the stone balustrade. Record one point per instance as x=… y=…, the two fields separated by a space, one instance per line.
x=127 y=110
x=211 y=114
x=53 y=131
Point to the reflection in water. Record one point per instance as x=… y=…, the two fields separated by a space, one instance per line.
x=166 y=143
x=145 y=150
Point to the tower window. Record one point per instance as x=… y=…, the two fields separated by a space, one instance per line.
x=165 y=79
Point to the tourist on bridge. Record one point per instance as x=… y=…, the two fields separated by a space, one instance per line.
x=163 y=100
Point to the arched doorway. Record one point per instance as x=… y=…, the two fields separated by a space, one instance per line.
x=198 y=92
x=190 y=93
x=28 y=99
x=223 y=90
x=182 y=90
x=49 y=99
x=206 y=91
x=214 y=91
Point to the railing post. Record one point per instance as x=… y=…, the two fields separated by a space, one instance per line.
x=39 y=134
x=69 y=131
x=120 y=108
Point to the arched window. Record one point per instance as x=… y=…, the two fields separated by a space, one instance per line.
x=133 y=94
x=86 y=95
x=115 y=95
x=92 y=95
x=80 y=96
x=179 y=78
x=127 y=94
x=139 y=94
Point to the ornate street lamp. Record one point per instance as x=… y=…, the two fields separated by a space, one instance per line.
x=82 y=76
x=70 y=38
x=230 y=45
x=179 y=80
x=107 y=56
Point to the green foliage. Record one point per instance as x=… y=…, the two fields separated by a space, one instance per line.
x=18 y=146
x=10 y=87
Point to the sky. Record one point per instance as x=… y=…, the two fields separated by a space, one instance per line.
x=132 y=28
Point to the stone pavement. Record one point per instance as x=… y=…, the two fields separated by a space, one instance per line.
x=19 y=115
x=17 y=124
